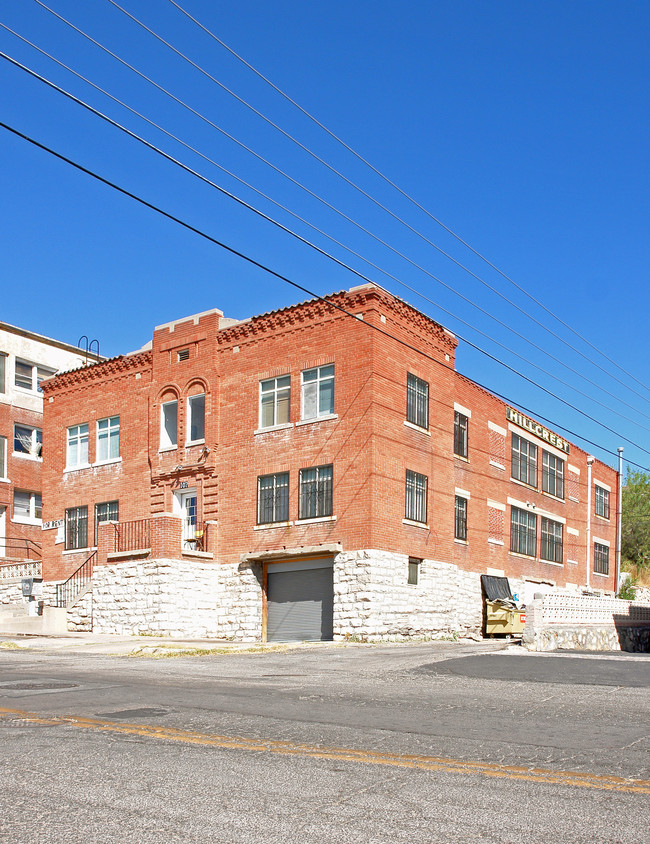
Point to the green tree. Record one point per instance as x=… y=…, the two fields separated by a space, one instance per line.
x=635 y=528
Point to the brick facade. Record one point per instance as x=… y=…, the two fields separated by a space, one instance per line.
x=374 y=342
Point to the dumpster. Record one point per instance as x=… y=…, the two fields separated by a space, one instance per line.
x=502 y=615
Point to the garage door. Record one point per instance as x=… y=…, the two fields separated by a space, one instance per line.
x=299 y=601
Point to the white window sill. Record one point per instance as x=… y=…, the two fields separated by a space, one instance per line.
x=18 y=521
x=315 y=520
x=572 y=562
x=76 y=468
x=522 y=483
x=271 y=525
x=461 y=458
x=23 y=456
x=497 y=465
x=461 y=541
x=554 y=497
x=192 y=443
x=326 y=418
x=415 y=427
x=28 y=392
x=107 y=462
x=602 y=518
x=413 y=523
x=283 y=427
x=600 y=574
x=551 y=563
x=496 y=541
x=5 y=481
x=168 y=448
x=522 y=556
x=72 y=551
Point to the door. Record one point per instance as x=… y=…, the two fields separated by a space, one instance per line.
x=300 y=601
x=186 y=506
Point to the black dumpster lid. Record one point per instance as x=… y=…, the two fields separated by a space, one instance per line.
x=495 y=588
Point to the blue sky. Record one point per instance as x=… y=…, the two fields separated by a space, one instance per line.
x=524 y=127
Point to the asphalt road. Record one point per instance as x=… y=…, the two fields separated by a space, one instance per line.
x=432 y=743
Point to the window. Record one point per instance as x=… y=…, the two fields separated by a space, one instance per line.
x=602 y=502
x=77 y=452
x=552 y=474
x=315 y=492
x=3 y=457
x=416 y=497
x=28 y=440
x=460 y=518
x=28 y=376
x=169 y=424
x=524 y=460
x=76 y=528
x=108 y=439
x=107 y=511
x=601 y=558
x=317 y=394
x=523 y=532
x=275 y=400
x=273 y=498
x=551 y=542
x=3 y=361
x=460 y=434
x=417 y=401
x=414 y=571
x=196 y=418
x=27 y=506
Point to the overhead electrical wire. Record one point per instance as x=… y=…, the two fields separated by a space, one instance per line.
x=356 y=187
x=309 y=292
x=287 y=210
x=449 y=287
x=321 y=199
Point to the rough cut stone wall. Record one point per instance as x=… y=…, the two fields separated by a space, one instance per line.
x=178 y=598
x=584 y=622
x=373 y=600
x=80 y=614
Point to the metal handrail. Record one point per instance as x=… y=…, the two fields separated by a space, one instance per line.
x=20 y=543
x=67 y=592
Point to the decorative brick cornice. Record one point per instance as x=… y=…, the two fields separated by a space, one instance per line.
x=98 y=372
x=334 y=306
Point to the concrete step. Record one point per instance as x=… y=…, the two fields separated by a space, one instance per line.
x=52 y=622
x=13 y=611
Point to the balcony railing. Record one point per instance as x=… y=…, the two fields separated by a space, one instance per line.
x=133 y=536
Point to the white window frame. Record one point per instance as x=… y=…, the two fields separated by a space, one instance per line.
x=37 y=374
x=190 y=402
x=35 y=448
x=166 y=443
x=32 y=519
x=316 y=384
x=3 y=458
x=112 y=432
x=76 y=436
x=271 y=387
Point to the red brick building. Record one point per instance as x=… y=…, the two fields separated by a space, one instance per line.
x=318 y=471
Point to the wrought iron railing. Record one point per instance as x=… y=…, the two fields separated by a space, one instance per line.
x=18 y=547
x=133 y=536
x=78 y=581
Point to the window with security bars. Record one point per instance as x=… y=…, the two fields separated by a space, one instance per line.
x=601 y=558
x=273 y=498
x=416 y=497
x=524 y=460
x=552 y=474
x=3 y=457
x=461 y=424
x=551 y=547
x=76 y=528
x=417 y=401
x=275 y=399
x=523 y=532
x=107 y=511
x=315 y=492
x=602 y=501
x=460 y=518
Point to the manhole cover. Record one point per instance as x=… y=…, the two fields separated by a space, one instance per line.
x=144 y=712
x=33 y=687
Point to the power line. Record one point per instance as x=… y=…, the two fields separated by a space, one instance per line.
x=306 y=290
x=403 y=193
x=369 y=196
x=358 y=255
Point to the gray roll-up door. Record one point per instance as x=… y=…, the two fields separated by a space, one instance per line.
x=300 y=603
